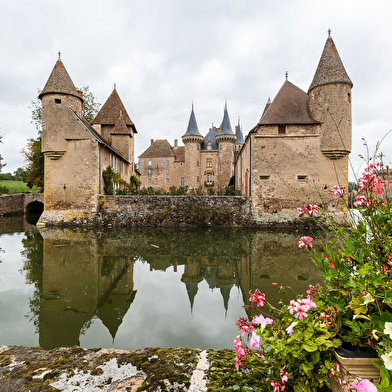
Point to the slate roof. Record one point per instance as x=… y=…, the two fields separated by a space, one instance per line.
x=111 y=110
x=239 y=135
x=210 y=135
x=290 y=106
x=192 y=129
x=225 y=128
x=59 y=82
x=159 y=149
x=330 y=68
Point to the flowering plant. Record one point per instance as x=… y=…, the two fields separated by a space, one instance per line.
x=292 y=345
x=295 y=344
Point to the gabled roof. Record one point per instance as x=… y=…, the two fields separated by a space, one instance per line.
x=225 y=128
x=158 y=149
x=330 y=68
x=111 y=110
x=120 y=127
x=213 y=132
x=192 y=129
x=290 y=106
x=59 y=82
x=96 y=135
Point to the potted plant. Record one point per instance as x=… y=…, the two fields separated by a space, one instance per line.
x=352 y=313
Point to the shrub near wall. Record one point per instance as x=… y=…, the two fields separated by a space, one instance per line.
x=178 y=211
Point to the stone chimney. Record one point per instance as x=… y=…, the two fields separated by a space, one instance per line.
x=175 y=143
x=152 y=141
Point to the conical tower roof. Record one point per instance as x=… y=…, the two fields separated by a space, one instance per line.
x=193 y=129
x=59 y=82
x=330 y=68
x=290 y=106
x=225 y=128
x=239 y=135
x=267 y=105
x=112 y=108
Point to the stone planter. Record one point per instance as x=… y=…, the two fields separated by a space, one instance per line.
x=355 y=367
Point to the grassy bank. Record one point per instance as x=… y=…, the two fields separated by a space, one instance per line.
x=18 y=186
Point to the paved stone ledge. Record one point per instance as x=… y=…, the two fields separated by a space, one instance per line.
x=77 y=369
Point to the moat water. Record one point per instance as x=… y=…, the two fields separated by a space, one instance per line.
x=139 y=287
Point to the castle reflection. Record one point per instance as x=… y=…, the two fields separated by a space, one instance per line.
x=88 y=274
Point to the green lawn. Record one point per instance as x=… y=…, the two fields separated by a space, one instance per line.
x=17 y=186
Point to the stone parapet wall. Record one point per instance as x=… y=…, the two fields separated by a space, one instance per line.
x=163 y=211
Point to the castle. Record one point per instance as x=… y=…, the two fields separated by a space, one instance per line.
x=299 y=149
x=294 y=155
x=76 y=152
x=205 y=162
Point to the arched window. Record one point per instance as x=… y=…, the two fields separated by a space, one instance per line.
x=209 y=144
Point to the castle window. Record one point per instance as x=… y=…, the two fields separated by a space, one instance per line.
x=266 y=177
x=149 y=172
x=167 y=162
x=209 y=162
x=209 y=179
x=57 y=100
x=197 y=179
x=209 y=145
x=156 y=181
x=149 y=180
x=167 y=171
x=149 y=163
x=302 y=177
x=349 y=97
x=282 y=129
x=197 y=163
x=167 y=180
x=182 y=181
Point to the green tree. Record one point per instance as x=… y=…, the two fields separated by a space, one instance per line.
x=34 y=169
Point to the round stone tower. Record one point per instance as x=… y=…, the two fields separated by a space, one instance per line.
x=192 y=140
x=225 y=139
x=330 y=103
x=58 y=96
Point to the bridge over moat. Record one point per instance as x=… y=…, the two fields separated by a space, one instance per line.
x=22 y=203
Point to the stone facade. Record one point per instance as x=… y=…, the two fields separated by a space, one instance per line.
x=75 y=152
x=161 y=166
x=299 y=149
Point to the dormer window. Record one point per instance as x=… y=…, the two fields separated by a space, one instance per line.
x=209 y=145
x=281 y=129
x=57 y=100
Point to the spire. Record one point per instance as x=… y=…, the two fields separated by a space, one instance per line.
x=225 y=128
x=59 y=82
x=192 y=129
x=239 y=135
x=330 y=68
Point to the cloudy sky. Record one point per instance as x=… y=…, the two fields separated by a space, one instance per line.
x=164 y=54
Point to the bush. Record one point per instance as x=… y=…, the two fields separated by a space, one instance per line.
x=3 y=190
x=210 y=191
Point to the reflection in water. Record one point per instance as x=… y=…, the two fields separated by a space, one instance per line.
x=154 y=287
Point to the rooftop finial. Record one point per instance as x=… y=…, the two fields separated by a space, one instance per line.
x=192 y=104
x=287 y=75
x=225 y=104
x=329 y=33
x=59 y=56
x=114 y=85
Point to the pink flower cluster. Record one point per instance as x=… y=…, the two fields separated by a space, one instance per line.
x=301 y=307
x=310 y=209
x=257 y=297
x=337 y=191
x=305 y=241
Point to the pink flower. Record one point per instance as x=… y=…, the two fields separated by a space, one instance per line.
x=331 y=264
x=239 y=348
x=290 y=328
x=255 y=340
x=284 y=376
x=262 y=321
x=308 y=303
x=364 y=386
x=313 y=209
x=301 y=312
x=305 y=241
x=275 y=384
x=257 y=297
x=292 y=306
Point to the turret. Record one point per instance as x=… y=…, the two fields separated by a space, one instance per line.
x=239 y=142
x=330 y=103
x=226 y=139
x=58 y=96
x=192 y=140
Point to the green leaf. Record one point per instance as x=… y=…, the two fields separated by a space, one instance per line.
x=309 y=346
